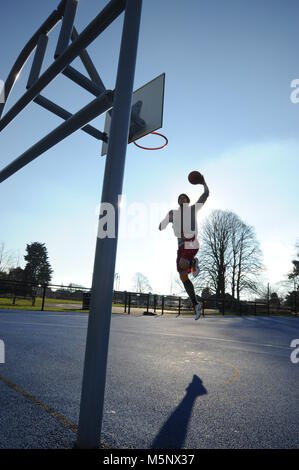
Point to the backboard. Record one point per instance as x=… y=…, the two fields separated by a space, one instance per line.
x=146 y=113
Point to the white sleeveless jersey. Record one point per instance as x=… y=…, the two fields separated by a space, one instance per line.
x=184 y=222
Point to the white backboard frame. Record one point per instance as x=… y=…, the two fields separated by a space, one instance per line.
x=152 y=97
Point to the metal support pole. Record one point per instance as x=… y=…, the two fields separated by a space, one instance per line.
x=147 y=302
x=125 y=301
x=179 y=305
x=44 y=296
x=94 y=377
x=14 y=297
x=66 y=27
x=155 y=303
x=38 y=60
x=163 y=304
x=129 y=306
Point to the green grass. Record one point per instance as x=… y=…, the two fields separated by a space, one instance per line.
x=50 y=304
x=26 y=304
x=62 y=301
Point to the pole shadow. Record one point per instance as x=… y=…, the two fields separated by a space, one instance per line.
x=173 y=433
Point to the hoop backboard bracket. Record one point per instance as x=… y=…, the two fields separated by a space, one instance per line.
x=146 y=112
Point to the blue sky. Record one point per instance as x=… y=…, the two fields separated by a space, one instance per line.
x=227 y=113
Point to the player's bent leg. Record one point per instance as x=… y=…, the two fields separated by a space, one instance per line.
x=183 y=265
x=184 y=276
x=189 y=288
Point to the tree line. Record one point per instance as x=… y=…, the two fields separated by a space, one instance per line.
x=230 y=260
x=37 y=269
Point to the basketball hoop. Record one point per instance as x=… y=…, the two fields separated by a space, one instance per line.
x=154 y=148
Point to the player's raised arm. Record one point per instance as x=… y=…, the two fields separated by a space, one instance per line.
x=205 y=194
x=166 y=220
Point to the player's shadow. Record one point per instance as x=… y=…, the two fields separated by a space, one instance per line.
x=173 y=433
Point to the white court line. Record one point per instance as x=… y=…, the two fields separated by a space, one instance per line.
x=58 y=325
x=281 y=320
x=209 y=338
x=43 y=314
x=203 y=338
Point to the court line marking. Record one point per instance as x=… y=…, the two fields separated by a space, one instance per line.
x=67 y=423
x=202 y=338
x=47 y=315
x=153 y=333
x=59 y=417
x=236 y=372
x=58 y=325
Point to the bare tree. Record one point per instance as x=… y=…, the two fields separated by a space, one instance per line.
x=141 y=283
x=229 y=256
x=215 y=251
x=249 y=260
x=7 y=259
x=295 y=272
x=236 y=228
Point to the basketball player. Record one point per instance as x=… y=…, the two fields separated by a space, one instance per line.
x=184 y=225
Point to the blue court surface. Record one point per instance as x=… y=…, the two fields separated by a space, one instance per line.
x=172 y=382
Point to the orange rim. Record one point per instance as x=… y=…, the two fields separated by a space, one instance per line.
x=154 y=148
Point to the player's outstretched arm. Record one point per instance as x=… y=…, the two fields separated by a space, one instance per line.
x=205 y=194
x=166 y=220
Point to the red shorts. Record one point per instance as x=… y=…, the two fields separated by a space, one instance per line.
x=186 y=253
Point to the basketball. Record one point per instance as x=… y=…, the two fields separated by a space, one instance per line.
x=195 y=177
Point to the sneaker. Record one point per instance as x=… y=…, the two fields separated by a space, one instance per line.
x=197 y=311
x=195 y=267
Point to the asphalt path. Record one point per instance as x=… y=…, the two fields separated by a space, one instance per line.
x=220 y=382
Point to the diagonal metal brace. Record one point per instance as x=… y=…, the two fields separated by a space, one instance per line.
x=88 y=64
x=81 y=80
x=64 y=114
x=77 y=121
